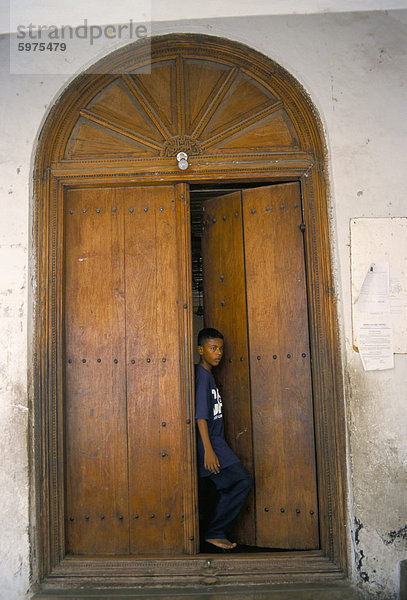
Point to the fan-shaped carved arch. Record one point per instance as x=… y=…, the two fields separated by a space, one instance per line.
x=199 y=94
x=199 y=106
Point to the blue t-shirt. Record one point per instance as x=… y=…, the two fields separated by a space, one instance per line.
x=208 y=406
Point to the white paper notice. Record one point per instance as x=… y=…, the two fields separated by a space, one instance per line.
x=374 y=295
x=375 y=332
x=376 y=343
x=378 y=242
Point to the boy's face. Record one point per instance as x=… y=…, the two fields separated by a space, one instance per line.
x=211 y=353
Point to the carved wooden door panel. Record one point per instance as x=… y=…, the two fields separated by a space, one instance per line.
x=254 y=275
x=125 y=408
x=225 y=309
x=156 y=405
x=95 y=401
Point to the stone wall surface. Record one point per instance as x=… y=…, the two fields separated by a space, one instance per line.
x=354 y=67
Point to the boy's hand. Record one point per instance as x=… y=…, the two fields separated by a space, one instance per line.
x=211 y=462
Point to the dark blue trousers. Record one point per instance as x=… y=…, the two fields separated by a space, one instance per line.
x=233 y=484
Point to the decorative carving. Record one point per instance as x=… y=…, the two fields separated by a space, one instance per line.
x=200 y=107
x=181 y=143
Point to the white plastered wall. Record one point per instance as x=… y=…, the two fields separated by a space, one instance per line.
x=354 y=67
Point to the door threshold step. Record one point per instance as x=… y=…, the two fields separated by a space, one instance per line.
x=307 y=591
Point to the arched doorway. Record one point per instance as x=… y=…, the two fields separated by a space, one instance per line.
x=114 y=420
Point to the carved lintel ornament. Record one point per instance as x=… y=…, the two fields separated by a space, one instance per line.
x=181 y=143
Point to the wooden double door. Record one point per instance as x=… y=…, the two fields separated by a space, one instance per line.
x=129 y=467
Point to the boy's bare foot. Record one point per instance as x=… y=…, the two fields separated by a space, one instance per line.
x=222 y=543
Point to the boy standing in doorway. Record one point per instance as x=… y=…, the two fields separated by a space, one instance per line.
x=215 y=459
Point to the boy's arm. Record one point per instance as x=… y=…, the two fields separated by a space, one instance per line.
x=211 y=461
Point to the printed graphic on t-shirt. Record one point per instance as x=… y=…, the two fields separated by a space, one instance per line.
x=217 y=407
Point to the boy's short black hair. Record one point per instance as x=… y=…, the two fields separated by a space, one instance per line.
x=207 y=334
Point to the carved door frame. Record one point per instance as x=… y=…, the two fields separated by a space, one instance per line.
x=57 y=168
